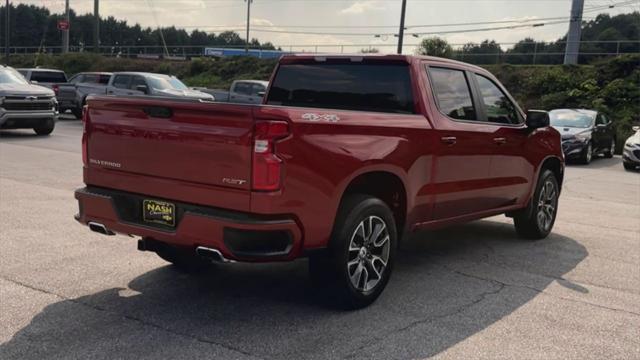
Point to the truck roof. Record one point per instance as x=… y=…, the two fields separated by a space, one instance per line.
x=41 y=69
x=290 y=58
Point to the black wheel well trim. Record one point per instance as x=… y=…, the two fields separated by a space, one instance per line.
x=395 y=197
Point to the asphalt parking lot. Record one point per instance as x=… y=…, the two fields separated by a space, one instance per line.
x=469 y=292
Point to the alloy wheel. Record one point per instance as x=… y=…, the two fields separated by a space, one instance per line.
x=589 y=152
x=369 y=249
x=547 y=204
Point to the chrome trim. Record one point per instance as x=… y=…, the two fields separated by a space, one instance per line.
x=212 y=254
x=100 y=228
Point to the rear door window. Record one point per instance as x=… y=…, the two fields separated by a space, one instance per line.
x=122 y=81
x=452 y=93
x=497 y=105
x=48 y=77
x=348 y=86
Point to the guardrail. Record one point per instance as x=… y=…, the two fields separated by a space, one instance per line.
x=534 y=54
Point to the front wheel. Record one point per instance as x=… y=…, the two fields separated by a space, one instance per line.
x=628 y=166
x=587 y=154
x=45 y=128
x=536 y=221
x=358 y=264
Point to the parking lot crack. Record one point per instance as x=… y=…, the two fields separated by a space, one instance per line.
x=479 y=298
x=473 y=276
x=129 y=317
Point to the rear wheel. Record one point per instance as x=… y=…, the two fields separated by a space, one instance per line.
x=45 y=128
x=358 y=264
x=611 y=150
x=77 y=112
x=536 y=220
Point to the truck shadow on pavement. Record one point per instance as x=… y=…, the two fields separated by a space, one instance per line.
x=447 y=286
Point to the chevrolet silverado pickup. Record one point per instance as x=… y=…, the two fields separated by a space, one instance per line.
x=24 y=105
x=345 y=156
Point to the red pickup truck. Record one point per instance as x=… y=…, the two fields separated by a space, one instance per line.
x=344 y=157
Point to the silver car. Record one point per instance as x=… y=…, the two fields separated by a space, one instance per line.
x=631 y=150
x=24 y=105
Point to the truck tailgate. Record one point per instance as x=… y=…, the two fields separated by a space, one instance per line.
x=176 y=149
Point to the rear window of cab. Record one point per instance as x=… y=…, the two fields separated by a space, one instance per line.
x=345 y=86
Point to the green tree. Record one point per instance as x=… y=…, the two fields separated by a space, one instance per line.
x=435 y=46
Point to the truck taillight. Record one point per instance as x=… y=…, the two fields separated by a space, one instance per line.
x=267 y=166
x=85 y=123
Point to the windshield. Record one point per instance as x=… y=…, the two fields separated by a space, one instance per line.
x=166 y=83
x=570 y=118
x=10 y=76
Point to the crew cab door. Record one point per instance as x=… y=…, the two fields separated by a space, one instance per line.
x=510 y=173
x=602 y=133
x=461 y=165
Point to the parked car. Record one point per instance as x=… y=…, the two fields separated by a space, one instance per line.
x=585 y=133
x=346 y=155
x=631 y=151
x=130 y=83
x=24 y=105
x=72 y=96
x=241 y=91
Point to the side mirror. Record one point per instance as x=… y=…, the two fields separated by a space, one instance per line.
x=34 y=82
x=537 y=119
x=261 y=93
x=142 y=88
x=636 y=128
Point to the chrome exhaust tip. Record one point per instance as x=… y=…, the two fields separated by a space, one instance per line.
x=100 y=228
x=212 y=254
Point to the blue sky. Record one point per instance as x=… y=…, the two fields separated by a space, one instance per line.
x=272 y=18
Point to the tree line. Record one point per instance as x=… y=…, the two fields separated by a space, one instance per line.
x=35 y=26
x=604 y=34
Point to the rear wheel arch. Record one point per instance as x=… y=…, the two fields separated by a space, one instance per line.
x=384 y=185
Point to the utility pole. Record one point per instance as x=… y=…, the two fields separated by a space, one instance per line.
x=6 y=33
x=573 y=37
x=65 y=33
x=401 y=32
x=96 y=29
x=246 y=47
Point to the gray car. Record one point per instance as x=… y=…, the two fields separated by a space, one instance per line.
x=24 y=105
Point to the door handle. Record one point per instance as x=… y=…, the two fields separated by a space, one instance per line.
x=449 y=140
x=500 y=140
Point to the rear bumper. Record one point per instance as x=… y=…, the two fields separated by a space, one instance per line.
x=238 y=236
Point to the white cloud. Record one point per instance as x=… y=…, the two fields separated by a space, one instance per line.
x=360 y=7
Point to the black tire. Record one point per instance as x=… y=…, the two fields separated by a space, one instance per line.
x=45 y=128
x=180 y=258
x=527 y=222
x=357 y=216
x=612 y=149
x=586 y=155
x=628 y=166
x=77 y=112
